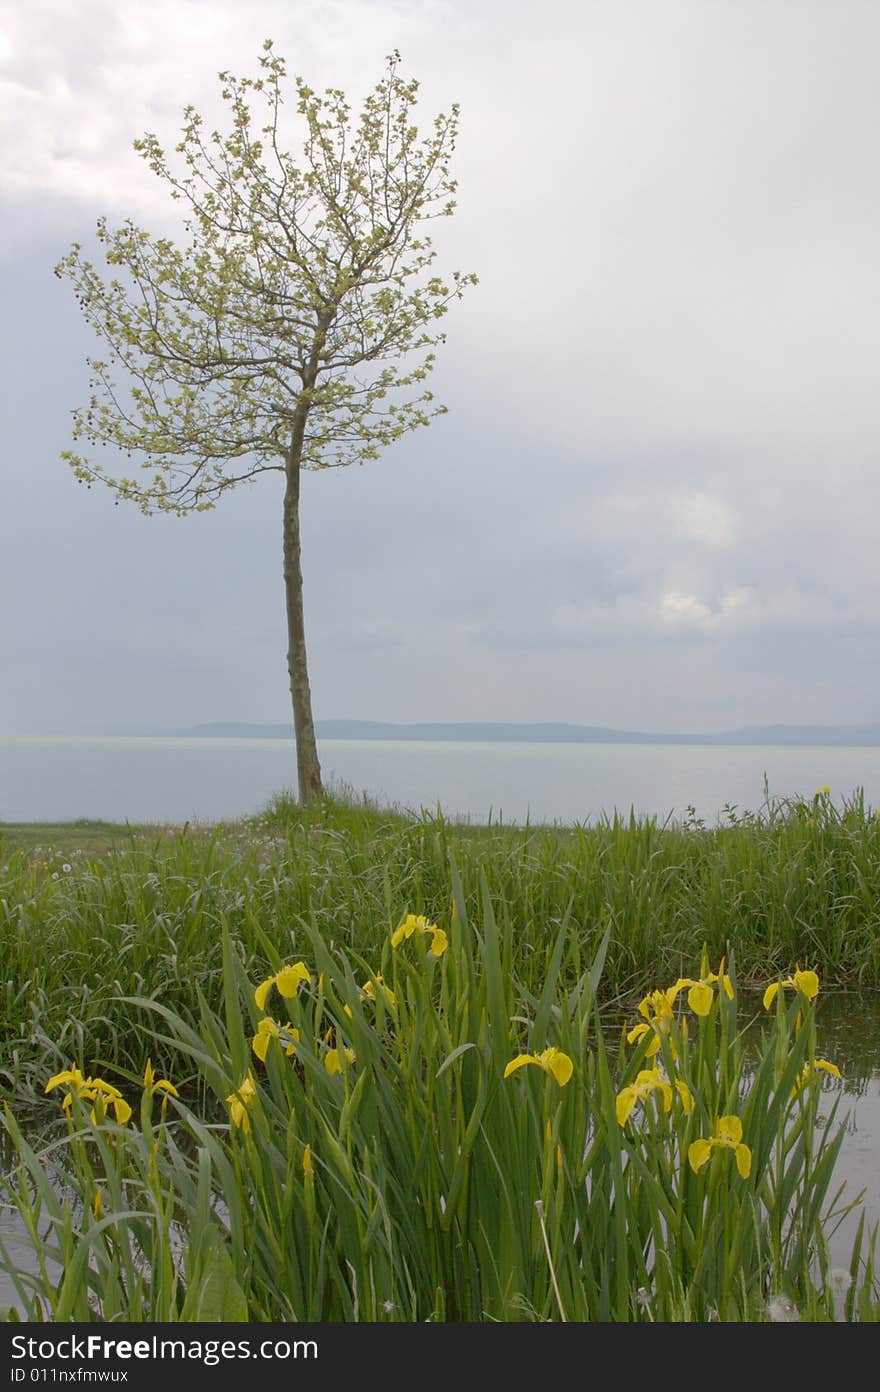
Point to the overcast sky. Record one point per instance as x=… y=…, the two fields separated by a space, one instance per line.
x=654 y=501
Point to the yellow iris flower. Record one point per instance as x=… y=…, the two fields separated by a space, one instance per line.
x=807 y=982
x=153 y=1084
x=368 y=990
x=239 y=1101
x=701 y=993
x=727 y=1136
x=269 y=1029
x=108 y=1096
x=71 y=1077
x=288 y=982
x=657 y=1010
x=368 y=993
x=649 y=1081
x=95 y=1090
x=810 y=1070
x=552 y=1060
x=417 y=923
x=638 y=1032
x=656 y=1007
x=333 y=1061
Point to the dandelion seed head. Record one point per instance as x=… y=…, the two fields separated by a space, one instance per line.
x=781 y=1310
x=840 y=1280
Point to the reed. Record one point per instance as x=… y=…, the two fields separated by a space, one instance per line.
x=430 y=1126
x=147 y=915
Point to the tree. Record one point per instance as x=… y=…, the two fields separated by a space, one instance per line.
x=268 y=341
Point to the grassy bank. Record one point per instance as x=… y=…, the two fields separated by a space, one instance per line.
x=423 y=1137
x=382 y=1085
x=90 y=913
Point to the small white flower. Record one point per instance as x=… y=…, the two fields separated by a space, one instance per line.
x=388 y=1306
x=67 y=868
x=54 y=874
x=781 y=1310
x=840 y=1281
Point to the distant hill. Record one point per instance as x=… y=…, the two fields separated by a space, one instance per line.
x=548 y=733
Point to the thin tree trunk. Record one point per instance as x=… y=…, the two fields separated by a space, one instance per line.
x=307 y=765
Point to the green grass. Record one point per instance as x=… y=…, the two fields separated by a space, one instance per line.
x=53 y=841
x=429 y=1176
x=142 y=911
x=119 y=943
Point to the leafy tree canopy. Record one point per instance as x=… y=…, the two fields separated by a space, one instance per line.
x=276 y=329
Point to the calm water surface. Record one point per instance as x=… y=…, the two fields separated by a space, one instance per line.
x=176 y=780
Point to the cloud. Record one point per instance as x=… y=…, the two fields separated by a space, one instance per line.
x=687 y=611
x=647 y=510
x=371 y=637
x=79 y=84
x=705 y=519
x=736 y=614
x=662 y=436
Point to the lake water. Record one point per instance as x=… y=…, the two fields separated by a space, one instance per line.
x=176 y=780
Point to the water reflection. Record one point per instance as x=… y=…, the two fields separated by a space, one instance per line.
x=848 y=1034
